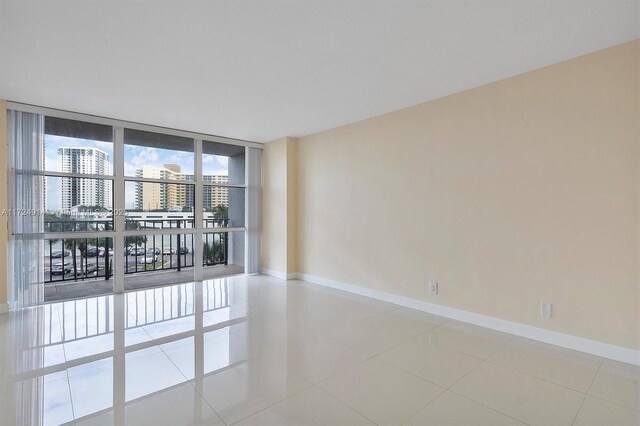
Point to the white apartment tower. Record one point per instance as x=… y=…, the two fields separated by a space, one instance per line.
x=84 y=191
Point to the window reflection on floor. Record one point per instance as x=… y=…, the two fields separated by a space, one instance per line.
x=109 y=354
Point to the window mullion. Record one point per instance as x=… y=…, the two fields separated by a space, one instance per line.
x=118 y=210
x=198 y=212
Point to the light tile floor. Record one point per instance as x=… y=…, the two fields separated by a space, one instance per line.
x=256 y=350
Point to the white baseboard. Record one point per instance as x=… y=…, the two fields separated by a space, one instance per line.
x=278 y=274
x=604 y=350
x=4 y=308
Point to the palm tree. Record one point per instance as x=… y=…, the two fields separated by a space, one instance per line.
x=220 y=211
x=215 y=253
x=134 y=240
x=74 y=245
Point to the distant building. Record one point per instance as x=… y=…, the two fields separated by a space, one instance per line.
x=215 y=195
x=155 y=196
x=84 y=192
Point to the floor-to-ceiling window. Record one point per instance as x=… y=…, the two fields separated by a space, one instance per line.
x=78 y=203
x=129 y=206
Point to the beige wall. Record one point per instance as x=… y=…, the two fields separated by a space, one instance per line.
x=510 y=194
x=292 y=205
x=4 y=174
x=274 y=206
x=279 y=206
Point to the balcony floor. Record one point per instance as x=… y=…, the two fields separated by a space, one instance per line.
x=57 y=291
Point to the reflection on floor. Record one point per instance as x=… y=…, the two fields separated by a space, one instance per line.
x=257 y=350
x=58 y=291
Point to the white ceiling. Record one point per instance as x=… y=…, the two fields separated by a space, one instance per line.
x=259 y=70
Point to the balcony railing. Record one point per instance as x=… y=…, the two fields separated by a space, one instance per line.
x=78 y=225
x=80 y=259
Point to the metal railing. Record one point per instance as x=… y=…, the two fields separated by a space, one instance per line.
x=79 y=259
x=152 y=222
x=78 y=225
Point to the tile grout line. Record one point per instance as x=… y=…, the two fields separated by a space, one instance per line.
x=587 y=393
x=478 y=402
x=368 y=359
x=532 y=376
x=563 y=386
x=444 y=389
x=447 y=389
x=328 y=378
x=426 y=405
x=176 y=366
x=73 y=410
x=261 y=355
x=488 y=407
x=606 y=400
x=313 y=385
x=345 y=404
x=318 y=383
x=192 y=385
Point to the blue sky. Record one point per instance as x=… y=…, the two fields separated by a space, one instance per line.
x=135 y=157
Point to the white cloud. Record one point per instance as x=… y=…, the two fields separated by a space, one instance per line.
x=136 y=156
x=215 y=164
x=184 y=159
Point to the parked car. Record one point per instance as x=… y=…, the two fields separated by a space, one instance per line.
x=168 y=251
x=148 y=259
x=153 y=251
x=97 y=251
x=62 y=268
x=90 y=268
x=136 y=251
x=183 y=250
x=59 y=253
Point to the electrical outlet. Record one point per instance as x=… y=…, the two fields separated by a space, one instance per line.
x=433 y=287
x=546 y=310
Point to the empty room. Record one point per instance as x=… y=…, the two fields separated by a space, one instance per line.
x=320 y=212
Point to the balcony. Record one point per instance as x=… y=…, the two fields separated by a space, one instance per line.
x=82 y=267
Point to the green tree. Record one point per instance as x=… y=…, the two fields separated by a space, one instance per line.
x=133 y=240
x=220 y=211
x=59 y=223
x=214 y=253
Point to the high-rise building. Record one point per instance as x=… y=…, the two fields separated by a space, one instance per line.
x=215 y=195
x=161 y=196
x=84 y=191
x=154 y=196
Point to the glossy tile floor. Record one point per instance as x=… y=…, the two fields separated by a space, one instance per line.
x=257 y=350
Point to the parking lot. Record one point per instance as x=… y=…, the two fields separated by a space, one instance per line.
x=94 y=266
